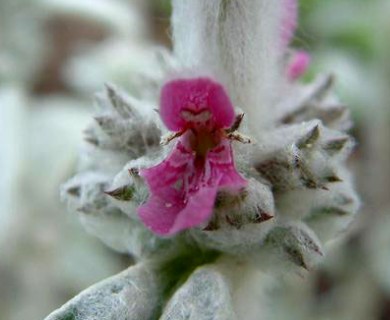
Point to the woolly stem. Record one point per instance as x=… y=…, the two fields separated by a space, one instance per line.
x=238 y=41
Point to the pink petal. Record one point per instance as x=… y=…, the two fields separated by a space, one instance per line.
x=169 y=218
x=159 y=215
x=182 y=195
x=195 y=95
x=170 y=171
x=298 y=65
x=197 y=211
x=166 y=200
x=221 y=160
x=289 y=21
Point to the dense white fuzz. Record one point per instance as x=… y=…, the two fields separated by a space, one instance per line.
x=240 y=223
x=205 y=295
x=132 y=295
x=239 y=42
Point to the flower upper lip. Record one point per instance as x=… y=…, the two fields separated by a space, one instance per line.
x=195 y=98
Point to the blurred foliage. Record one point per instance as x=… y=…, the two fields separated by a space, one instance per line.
x=162 y=6
x=342 y=37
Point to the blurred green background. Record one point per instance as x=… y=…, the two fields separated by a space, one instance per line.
x=55 y=54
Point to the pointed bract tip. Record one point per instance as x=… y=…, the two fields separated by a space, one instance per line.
x=74 y=191
x=124 y=193
x=134 y=172
x=262 y=216
x=310 y=138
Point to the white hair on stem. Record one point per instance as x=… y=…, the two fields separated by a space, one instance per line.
x=240 y=41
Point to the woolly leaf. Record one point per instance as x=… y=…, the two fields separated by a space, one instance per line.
x=204 y=296
x=133 y=294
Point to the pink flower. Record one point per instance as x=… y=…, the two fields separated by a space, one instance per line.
x=298 y=65
x=183 y=187
x=300 y=60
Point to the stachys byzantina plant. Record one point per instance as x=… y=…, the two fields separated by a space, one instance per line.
x=224 y=165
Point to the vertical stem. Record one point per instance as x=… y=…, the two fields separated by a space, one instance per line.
x=239 y=42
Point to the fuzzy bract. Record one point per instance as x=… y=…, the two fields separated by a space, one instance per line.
x=183 y=187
